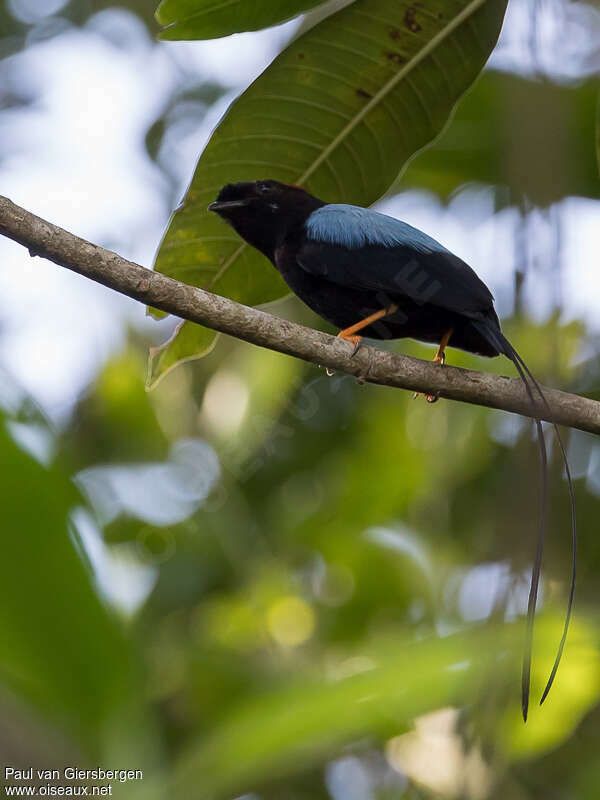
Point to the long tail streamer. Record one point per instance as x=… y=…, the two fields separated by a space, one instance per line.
x=497 y=339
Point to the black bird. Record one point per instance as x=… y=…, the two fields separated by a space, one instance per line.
x=370 y=274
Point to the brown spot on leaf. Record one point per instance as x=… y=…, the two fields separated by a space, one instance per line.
x=410 y=21
x=397 y=58
x=363 y=93
x=300 y=56
x=394 y=34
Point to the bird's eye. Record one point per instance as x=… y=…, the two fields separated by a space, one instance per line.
x=264 y=188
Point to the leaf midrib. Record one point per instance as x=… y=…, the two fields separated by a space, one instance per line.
x=463 y=15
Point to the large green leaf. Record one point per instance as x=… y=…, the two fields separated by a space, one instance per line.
x=209 y=19
x=61 y=650
x=300 y=723
x=340 y=112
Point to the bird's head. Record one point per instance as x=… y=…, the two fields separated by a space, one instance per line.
x=263 y=212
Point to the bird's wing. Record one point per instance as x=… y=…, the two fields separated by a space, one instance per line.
x=365 y=250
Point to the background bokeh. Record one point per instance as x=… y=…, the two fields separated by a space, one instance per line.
x=255 y=578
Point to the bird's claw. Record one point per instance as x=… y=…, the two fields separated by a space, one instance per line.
x=440 y=359
x=431 y=398
x=355 y=340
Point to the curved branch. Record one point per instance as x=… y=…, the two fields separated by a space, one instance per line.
x=257 y=327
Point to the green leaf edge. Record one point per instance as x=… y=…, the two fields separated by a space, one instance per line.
x=170 y=26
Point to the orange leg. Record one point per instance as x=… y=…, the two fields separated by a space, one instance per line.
x=439 y=358
x=349 y=334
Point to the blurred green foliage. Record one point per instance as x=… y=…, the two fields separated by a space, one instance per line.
x=598 y=131
x=499 y=136
x=295 y=617
x=63 y=651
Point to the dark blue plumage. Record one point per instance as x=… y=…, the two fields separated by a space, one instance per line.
x=370 y=274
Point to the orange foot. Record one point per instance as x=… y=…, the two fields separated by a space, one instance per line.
x=349 y=334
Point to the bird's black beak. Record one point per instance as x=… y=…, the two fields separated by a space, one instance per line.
x=225 y=205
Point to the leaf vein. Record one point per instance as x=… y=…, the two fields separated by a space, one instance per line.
x=391 y=83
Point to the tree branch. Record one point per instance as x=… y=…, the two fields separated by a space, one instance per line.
x=259 y=328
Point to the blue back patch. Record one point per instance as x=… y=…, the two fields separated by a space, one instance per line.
x=355 y=227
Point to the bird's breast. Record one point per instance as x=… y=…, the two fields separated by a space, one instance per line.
x=340 y=305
